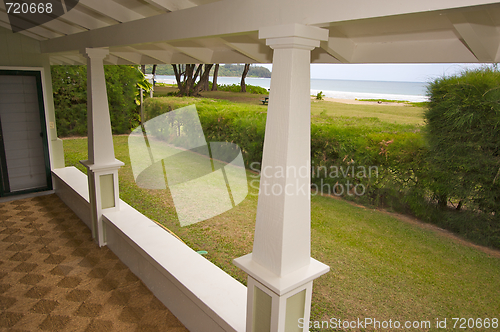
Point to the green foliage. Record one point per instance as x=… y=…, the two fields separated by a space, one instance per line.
x=400 y=270
x=463 y=132
x=221 y=121
x=224 y=70
x=69 y=85
x=237 y=71
x=388 y=162
x=237 y=88
x=144 y=84
x=320 y=95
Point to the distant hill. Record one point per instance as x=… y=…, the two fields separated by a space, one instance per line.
x=224 y=70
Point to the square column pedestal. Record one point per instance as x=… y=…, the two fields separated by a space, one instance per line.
x=280 y=268
x=279 y=303
x=103 y=194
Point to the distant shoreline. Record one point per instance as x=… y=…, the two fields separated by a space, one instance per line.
x=340 y=89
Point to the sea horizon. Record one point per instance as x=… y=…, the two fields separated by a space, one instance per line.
x=340 y=89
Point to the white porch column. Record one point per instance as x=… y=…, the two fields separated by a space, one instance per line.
x=102 y=166
x=280 y=269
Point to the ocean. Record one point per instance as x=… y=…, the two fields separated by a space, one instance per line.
x=343 y=89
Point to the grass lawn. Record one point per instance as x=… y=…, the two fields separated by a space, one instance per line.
x=388 y=113
x=381 y=267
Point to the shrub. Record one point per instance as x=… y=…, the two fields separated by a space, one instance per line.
x=320 y=95
x=69 y=85
x=395 y=158
x=463 y=131
x=237 y=88
x=221 y=121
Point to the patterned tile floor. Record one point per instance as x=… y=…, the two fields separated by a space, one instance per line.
x=53 y=277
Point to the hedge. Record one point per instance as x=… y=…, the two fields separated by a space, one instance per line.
x=69 y=84
x=389 y=163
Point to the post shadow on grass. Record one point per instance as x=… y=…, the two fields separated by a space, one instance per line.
x=204 y=179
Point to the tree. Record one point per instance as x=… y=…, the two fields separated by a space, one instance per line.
x=203 y=83
x=243 y=76
x=216 y=73
x=463 y=132
x=223 y=70
x=186 y=76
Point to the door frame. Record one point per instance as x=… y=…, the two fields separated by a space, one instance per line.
x=38 y=74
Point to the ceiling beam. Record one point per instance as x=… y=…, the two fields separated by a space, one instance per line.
x=200 y=53
x=416 y=51
x=84 y=20
x=112 y=9
x=64 y=60
x=58 y=26
x=231 y=56
x=38 y=30
x=25 y=33
x=158 y=55
x=171 y=5
x=180 y=58
x=319 y=55
x=132 y=55
x=241 y=17
x=54 y=60
x=340 y=47
x=164 y=53
x=114 y=60
x=479 y=34
x=249 y=47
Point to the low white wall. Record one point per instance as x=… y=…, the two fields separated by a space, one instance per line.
x=202 y=296
x=71 y=185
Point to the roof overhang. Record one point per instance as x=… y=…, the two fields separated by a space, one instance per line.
x=360 y=31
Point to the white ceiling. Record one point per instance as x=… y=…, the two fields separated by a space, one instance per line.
x=211 y=31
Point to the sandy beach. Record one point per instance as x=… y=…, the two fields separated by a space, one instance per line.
x=360 y=102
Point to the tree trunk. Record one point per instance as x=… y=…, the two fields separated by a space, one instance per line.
x=203 y=83
x=442 y=201
x=216 y=72
x=143 y=69
x=189 y=81
x=178 y=74
x=153 y=73
x=243 y=76
x=186 y=85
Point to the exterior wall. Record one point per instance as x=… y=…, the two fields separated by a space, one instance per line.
x=19 y=52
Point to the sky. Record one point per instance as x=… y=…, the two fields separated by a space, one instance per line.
x=386 y=72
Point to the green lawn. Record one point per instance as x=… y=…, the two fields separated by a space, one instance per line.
x=381 y=267
x=406 y=114
x=393 y=114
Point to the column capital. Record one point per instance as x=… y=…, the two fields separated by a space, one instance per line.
x=95 y=53
x=293 y=36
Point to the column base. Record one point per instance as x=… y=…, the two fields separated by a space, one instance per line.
x=281 y=284
x=279 y=303
x=103 y=194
